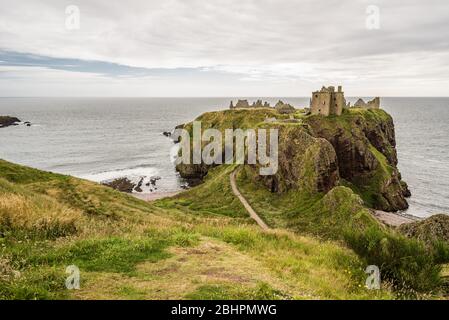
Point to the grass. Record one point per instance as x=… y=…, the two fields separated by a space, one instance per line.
x=214 y=197
x=127 y=248
x=24 y=216
x=340 y=215
x=262 y=291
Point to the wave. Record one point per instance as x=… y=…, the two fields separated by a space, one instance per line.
x=130 y=173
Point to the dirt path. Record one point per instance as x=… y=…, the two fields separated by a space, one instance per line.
x=245 y=203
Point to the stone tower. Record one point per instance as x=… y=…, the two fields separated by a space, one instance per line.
x=327 y=101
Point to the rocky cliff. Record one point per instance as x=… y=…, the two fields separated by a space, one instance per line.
x=316 y=153
x=365 y=144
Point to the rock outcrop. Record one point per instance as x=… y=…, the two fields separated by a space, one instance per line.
x=121 y=184
x=305 y=163
x=366 y=150
x=316 y=153
x=435 y=228
x=6 y=121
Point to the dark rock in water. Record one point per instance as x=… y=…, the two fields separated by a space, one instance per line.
x=6 y=121
x=178 y=127
x=121 y=184
x=138 y=188
x=405 y=190
x=166 y=133
x=191 y=182
x=435 y=228
x=154 y=179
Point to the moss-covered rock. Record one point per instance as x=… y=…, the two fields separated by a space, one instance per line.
x=364 y=141
x=435 y=228
x=305 y=163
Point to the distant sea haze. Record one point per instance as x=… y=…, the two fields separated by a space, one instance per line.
x=104 y=138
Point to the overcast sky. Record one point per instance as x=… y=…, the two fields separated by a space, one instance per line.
x=224 y=47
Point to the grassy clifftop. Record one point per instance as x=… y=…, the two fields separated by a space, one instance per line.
x=189 y=247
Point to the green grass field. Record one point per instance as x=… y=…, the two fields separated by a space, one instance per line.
x=178 y=248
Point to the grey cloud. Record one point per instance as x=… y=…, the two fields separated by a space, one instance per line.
x=252 y=39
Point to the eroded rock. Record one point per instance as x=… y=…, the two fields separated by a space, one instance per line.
x=6 y=121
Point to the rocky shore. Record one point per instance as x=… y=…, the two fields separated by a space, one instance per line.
x=129 y=185
x=6 y=121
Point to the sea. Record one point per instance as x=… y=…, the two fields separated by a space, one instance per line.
x=101 y=139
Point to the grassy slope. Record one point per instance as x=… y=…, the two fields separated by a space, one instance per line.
x=339 y=215
x=196 y=245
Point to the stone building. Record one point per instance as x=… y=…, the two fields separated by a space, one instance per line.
x=327 y=101
x=284 y=108
x=373 y=104
x=244 y=104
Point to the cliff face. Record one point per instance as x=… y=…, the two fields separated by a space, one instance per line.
x=364 y=141
x=305 y=162
x=356 y=149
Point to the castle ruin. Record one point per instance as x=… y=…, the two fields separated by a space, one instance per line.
x=372 y=104
x=327 y=101
x=244 y=104
x=324 y=102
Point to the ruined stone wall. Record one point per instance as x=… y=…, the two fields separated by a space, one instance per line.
x=373 y=104
x=321 y=103
x=338 y=103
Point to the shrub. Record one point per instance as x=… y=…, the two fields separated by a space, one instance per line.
x=406 y=262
